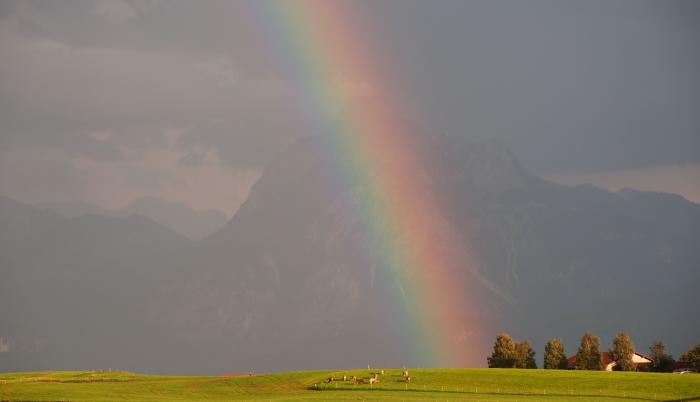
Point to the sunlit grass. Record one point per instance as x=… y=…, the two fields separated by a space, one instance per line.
x=426 y=384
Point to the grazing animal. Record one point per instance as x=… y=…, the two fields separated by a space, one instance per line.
x=353 y=377
x=405 y=373
x=345 y=378
x=374 y=375
x=360 y=381
x=330 y=379
x=408 y=379
x=382 y=372
x=373 y=380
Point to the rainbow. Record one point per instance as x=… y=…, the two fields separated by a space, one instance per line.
x=317 y=42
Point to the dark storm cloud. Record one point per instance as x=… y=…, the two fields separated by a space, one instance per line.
x=569 y=86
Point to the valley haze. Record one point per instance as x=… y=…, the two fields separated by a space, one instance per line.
x=202 y=188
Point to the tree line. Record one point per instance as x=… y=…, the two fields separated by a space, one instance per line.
x=508 y=353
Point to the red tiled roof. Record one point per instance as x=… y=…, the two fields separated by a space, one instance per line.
x=605 y=359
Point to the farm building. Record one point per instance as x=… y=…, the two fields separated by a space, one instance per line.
x=642 y=362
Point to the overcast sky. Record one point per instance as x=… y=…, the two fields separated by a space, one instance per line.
x=104 y=101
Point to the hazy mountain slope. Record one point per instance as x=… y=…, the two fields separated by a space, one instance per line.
x=195 y=224
x=75 y=208
x=581 y=258
x=77 y=293
x=17 y=222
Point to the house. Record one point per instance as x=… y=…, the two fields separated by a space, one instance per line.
x=641 y=361
x=682 y=367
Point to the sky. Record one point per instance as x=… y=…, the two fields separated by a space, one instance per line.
x=106 y=101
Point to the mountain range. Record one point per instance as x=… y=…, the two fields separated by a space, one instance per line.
x=195 y=224
x=288 y=282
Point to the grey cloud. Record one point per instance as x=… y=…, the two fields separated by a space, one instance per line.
x=192 y=158
x=216 y=26
x=57 y=96
x=244 y=140
x=145 y=179
x=99 y=151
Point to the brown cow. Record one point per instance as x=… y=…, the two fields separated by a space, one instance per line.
x=360 y=381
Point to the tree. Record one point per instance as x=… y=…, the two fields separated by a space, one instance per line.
x=588 y=354
x=554 y=356
x=693 y=356
x=524 y=356
x=622 y=352
x=660 y=359
x=503 y=355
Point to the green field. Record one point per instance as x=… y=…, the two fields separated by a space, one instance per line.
x=425 y=385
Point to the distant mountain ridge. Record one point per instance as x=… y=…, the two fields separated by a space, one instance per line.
x=195 y=224
x=290 y=280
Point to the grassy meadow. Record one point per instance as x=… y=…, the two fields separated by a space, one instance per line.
x=425 y=385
